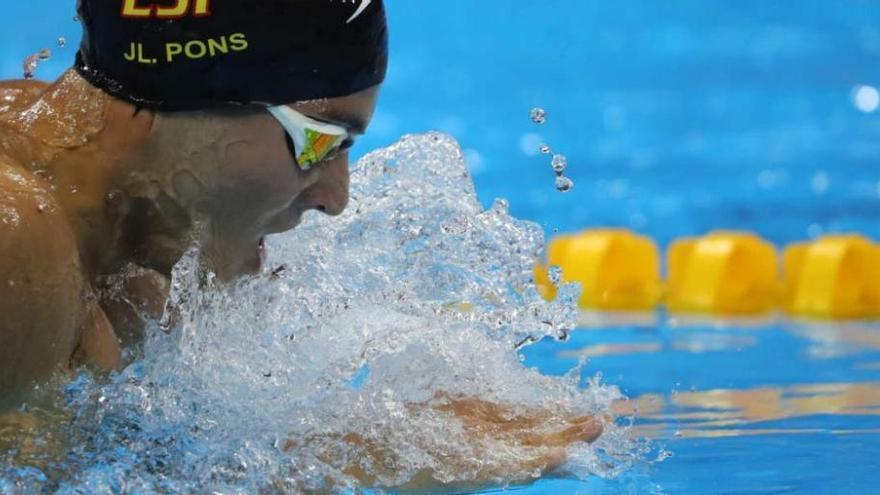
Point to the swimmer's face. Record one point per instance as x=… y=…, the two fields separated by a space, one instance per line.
x=239 y=177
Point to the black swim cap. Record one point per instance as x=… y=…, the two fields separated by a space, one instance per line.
x=196 y=54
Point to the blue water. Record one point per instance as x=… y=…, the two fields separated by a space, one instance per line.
x=677 y=117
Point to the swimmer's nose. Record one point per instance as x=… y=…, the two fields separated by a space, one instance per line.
x=330 y=193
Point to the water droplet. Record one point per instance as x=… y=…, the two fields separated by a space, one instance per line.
x=62 y=41
x=559 y=163
x=76 y=18
x=30 y=66
x=554 y=273
x=538 y=115
x=74 y=189
x=545 y=149
x=44 y=54
x=564 y=184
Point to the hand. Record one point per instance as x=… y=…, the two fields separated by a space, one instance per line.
x=486 y=419
x=541 y=433
x=483 y=419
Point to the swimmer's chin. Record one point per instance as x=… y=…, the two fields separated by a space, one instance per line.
x=252 y=264
x=285 y=222
x=259 y=261
x=230 y=259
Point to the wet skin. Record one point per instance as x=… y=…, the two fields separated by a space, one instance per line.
x=92 y=187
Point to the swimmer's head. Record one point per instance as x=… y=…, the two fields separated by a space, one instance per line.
x=199 y=78
x=233 y=172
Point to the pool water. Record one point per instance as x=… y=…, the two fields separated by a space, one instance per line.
x=677 y=118
x=772 y=408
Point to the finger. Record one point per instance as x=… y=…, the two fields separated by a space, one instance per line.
x=588 y=430
x=579 y=419
x=591 y=430
x=475 y=408
x=483 y=415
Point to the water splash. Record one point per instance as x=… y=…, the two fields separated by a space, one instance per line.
x=414 y=295
x=31 y=62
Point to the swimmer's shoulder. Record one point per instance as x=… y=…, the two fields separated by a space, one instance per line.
x=37 y=241
x=42 y=284
x=16 y=95
x=34 y=231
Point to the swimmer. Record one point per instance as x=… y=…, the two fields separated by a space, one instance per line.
x=208 y=123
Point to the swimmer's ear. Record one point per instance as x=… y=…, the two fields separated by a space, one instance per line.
x=137 y=122
x=145 y=117
x=98 y=345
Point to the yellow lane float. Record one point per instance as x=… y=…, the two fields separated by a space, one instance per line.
x=617 y=269
x=732 y=273
x=723 y=273
x=833 y=277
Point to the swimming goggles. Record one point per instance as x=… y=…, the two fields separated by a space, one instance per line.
x=310 y=141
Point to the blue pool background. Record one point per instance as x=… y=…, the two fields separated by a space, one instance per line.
x=677 y=117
